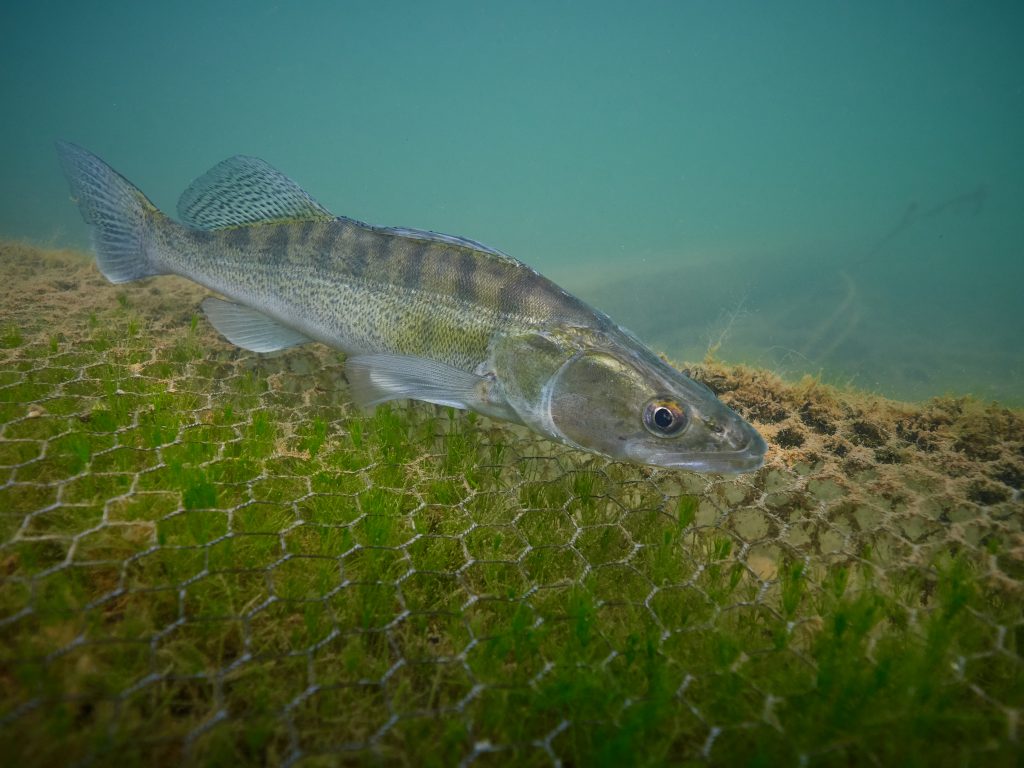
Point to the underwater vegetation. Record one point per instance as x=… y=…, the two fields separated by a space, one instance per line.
x=209 y=555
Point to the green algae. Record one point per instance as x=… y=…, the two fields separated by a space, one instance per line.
x=210 y=556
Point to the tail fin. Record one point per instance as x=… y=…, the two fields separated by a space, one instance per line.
x=118 y=212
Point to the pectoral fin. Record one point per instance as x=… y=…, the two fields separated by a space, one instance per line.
x=375 y=379
x=249 y=329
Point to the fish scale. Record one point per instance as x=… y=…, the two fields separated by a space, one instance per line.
x=421 y=315
x=370 y=291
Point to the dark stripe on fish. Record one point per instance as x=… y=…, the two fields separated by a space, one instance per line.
x=413 y=262
x=202 y=236
x=357 y=257
x=305 y=230
x=277 y=241
x=329 y=237
x=466 y=276
x=238 y=237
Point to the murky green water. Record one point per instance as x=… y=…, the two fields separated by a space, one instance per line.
x=838 y=186
x=211 y=556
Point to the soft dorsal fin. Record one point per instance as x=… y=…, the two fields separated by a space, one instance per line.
x=437 y=237
x=245 y=190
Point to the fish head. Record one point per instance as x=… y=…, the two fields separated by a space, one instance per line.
x=627 y=408
x=611 y=395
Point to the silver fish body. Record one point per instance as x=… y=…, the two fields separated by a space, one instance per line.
x=420 y=315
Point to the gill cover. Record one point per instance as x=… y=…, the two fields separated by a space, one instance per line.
x=596 y=401
x=524 y=366
x=585 y=398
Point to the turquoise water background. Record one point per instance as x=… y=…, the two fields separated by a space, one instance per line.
x=822 y=187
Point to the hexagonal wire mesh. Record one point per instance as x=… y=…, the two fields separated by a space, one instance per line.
x=209 y=555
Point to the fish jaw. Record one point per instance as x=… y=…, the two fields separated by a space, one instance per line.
x=749 y=458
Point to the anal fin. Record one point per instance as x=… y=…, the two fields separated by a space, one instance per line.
x=249 y=329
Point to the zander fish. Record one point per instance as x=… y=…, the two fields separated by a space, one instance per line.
x=420 y=315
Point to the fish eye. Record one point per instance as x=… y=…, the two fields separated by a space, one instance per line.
x=664 y=418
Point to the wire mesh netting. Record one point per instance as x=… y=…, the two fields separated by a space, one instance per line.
x=211 y=556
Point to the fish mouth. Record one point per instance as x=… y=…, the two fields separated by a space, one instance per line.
x=746 y=459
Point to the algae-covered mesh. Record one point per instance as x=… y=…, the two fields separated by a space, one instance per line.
x=210 y=556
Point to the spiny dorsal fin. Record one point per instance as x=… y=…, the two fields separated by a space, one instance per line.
x=245 y=190
x=437 y=237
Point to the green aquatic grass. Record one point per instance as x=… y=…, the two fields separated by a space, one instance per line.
x=597 y=656
x=207 y=558
x=11 y=336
